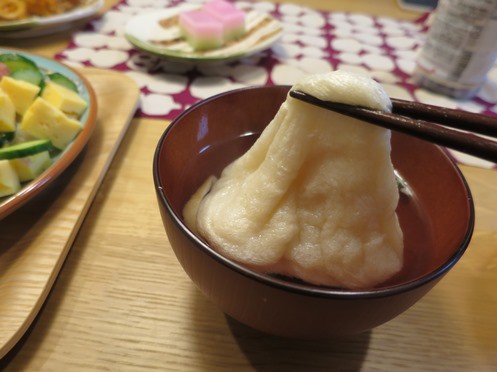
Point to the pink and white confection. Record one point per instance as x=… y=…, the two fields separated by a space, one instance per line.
x=201 y=29
x=232 y=18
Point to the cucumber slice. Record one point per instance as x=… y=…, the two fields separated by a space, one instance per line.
x=15 y=62
x=31 y=75
x=6 y=137
x=60 y=79
x=24 y=149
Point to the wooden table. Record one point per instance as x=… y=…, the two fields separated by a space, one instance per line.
x=122 y=302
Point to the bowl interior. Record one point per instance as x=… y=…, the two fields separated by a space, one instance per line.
x=437 y=219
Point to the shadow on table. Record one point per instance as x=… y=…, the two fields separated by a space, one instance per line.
x=223 y=341
x=30 y=214
x=271 y=353
x=34 y=212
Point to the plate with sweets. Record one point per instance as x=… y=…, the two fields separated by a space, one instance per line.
x=159 y=33
x=26 y=18
x=47 y=114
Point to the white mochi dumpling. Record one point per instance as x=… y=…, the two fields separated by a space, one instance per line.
x=315 y=197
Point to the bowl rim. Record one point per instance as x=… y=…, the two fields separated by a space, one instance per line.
x=307 y=289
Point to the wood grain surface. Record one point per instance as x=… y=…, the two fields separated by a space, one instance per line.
x=122 y=302
x=37 y=238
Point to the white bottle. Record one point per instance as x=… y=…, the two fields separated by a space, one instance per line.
x=460 y=48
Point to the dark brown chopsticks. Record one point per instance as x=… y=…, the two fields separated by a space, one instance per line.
x=427 y=122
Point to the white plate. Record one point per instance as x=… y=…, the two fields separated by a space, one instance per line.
x=35 y=26
x=146 y=33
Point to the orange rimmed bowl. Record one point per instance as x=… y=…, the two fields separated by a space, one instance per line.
x=63 y=160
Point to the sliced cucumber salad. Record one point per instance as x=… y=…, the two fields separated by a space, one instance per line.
x=40 y=114
x=23 y=149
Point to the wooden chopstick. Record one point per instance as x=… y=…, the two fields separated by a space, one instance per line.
x=438 y=131
x=469 y=121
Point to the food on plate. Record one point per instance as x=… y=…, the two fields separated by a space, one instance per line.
x=232 y=18
x=21 y=93
x=65 y=99
x=315 y=197
x=11 y=10
x=43 y=120
x=9 y=180
x=29 y=167
x=211 y=26
x=39 y=118
x=7 y=113
x=191 y=32
x=201 y=30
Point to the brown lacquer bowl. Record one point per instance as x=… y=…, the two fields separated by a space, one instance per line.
x=437 y=221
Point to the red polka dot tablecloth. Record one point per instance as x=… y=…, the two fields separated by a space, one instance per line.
x=312 y=42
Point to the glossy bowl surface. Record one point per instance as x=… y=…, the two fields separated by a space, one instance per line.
x=31 y=189
x=437 y=222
